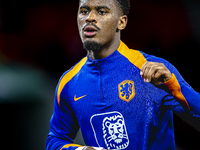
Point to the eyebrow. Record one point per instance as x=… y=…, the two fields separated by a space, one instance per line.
x=101 y=7
x=97 y=7
x=86 y=7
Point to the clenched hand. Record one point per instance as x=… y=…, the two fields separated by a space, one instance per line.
x=155 y=73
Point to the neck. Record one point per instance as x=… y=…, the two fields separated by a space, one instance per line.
x=106 y=50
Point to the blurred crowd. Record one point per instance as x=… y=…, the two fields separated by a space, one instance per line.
x=39 y=41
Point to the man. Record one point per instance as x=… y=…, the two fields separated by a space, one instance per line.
x=120 y=98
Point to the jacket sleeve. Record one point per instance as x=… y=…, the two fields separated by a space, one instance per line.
x=188 y=98
x=184 y=94
x=63 y=128
x=182 y=99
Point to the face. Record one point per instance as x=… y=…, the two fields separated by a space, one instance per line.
x=99 y=20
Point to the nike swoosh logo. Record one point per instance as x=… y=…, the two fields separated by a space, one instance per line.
x=78 y=98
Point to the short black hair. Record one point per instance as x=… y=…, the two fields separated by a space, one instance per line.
x=125 y=6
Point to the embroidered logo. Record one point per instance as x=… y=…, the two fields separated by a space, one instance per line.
x=77 y=98
x=112 y=135
x=126 y=90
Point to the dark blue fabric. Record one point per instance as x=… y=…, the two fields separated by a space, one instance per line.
x=143 y=123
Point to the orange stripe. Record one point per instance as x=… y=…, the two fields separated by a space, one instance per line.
x=135 y=57
x=69 y=76
x=175 y=88
x=72 y=145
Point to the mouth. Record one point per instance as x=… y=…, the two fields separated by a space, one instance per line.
x=90 y=31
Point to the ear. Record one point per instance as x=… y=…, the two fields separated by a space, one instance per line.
x=122 y=22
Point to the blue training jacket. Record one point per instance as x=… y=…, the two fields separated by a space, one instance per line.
x=115 y=108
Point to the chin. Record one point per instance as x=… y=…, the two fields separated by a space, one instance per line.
x=92 y=45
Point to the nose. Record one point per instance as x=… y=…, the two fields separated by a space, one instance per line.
x=91 y=18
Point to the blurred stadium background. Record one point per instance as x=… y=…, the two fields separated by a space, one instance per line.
x=39 y=41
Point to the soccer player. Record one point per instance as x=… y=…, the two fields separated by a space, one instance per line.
x=120 y=98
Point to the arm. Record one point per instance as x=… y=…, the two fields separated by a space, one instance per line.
x=63 y=128
x=185 y=94
x=189 y=99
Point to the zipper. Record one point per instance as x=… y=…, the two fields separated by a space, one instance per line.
x=101 y=86
x=100 y=74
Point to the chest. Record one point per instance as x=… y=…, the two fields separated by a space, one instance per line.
x=108 y=90
x=112 y=106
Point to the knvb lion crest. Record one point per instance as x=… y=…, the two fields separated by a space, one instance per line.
x=115 y=134
x=110 y=130
x=126 y=90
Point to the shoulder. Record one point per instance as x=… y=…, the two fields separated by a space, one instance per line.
x=153 y=58
x=139 y=58
x=167 y=64
x=68 y=75
x=134 y=56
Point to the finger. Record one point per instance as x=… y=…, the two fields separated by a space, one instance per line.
x=143 y=68
x=163 y=75
x=158 y=74
x=155 y=73
x=150 y=71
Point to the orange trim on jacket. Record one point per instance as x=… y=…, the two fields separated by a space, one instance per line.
x=68 y=76
x=175 y=88
x=72 y=145
x=135 y=57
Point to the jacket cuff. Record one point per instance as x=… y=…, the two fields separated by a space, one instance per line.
x=174 y=86
x=70 y=145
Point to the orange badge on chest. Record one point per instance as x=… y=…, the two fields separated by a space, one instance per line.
x=126 y=90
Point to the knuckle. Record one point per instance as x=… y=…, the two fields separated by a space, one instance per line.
x=159 y=71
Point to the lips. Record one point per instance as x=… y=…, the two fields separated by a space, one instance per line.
x=90 y=31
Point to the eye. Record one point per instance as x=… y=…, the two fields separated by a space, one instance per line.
x=102 y=12
x=84 y=12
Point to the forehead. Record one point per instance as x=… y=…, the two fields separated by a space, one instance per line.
x=94 y=3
